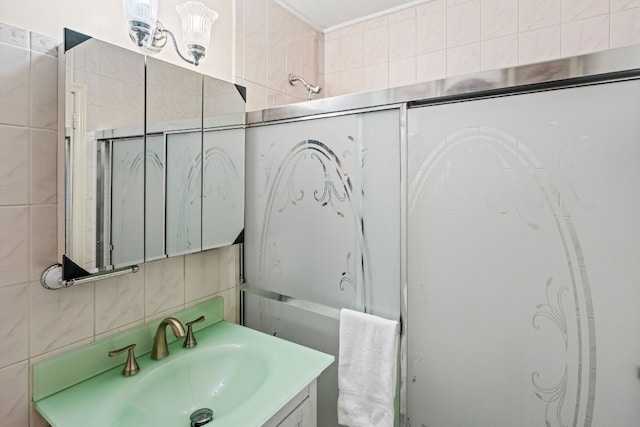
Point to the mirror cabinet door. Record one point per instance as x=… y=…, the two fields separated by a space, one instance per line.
x=104 y=146
x=154 y=158
x=174 y=116
x=223 y=159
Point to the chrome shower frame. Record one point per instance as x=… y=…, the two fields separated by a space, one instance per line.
x=596 y=68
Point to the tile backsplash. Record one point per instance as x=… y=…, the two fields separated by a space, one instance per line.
x=36 y=323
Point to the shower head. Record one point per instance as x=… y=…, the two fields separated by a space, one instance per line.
x=312 y=89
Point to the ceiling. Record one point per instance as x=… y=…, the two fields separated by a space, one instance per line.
x=329 y=15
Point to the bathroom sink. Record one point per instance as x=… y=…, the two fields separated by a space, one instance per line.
x=242 y=375
x=220 y=378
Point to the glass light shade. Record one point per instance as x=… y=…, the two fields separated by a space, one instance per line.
x=144 y=11
x=197 y=20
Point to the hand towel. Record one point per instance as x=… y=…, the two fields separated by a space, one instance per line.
x=367 y=369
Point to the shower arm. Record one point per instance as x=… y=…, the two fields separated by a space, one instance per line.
x=312 y=89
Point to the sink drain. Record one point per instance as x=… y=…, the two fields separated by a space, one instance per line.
x=201 y=417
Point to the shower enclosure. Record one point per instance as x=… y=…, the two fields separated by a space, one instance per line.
x=496 y=215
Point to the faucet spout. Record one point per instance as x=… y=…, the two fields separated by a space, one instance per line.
x=160 y=349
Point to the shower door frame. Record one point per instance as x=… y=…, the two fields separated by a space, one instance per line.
x=595 y=68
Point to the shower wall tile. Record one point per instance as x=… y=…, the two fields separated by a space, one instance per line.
x=498 y=18
x=44 y=160
x=585 y=36
x=352 y=51
x=539 y=45
x=538 y=14
x=499 y=53
x=618 y=5
x=14 y=392
x=463 y=59
x=402 y=39
x=511 y=32
x=625 y=28
x=14 y=324
x=431 y=32
x=431 y=66
x=376 y=46
x=276 y=28
x=13 y=245
x=376 y=76
x=14 y=85
x=276 y=68
x=402 y=72
x=573 y=10
x=14 y=165
x=463 y=24
x=353 y=79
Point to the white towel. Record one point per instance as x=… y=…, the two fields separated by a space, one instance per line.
x=367 y=369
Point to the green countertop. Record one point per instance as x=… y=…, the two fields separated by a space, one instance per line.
x=247 y=374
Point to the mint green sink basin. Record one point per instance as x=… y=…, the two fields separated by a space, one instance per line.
x=220 y=378
x=242 y=375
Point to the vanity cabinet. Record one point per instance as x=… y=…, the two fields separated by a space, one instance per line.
x=301 y=411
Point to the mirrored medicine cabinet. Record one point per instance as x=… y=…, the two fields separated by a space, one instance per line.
x=154 y=159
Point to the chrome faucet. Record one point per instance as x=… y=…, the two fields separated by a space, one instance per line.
x=308 y=86
x=160 y=349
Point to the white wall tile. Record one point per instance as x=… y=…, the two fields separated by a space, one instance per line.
x=255 y=59
x=14 y=36
x=14 y=324
x=585 y=36
x=572 y=10
x=352 y=29
x=376 y=76
x=376 y=23
x=402 y=39
x=463 y=24
x=59 y=318
x=376 y=46
x=44 y=238
x=333 y=84
x=538 y=14
x=463 y=59
x=119 y=301
x=275 y=99
x=295 y=49
x=352 y=51
x=14 y=165
x=498 y=18
x=499 y=53
x=164 y=285
x=13 y=245
x=276 y=78
x=431 y=33
x=625 y=28
x=539 y=45
x=14 y=395
x=333 y=55
x=44 y=160
x=276 y=28
x=431 y=66
x=44 y=91
x=14 y=86
x=618 y=5
x=352 y=80
x=402 y=72
x=431 y=6
x=402 y=15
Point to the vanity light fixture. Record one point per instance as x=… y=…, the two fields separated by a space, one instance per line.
x=150 y=35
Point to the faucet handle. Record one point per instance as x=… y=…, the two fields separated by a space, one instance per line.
x=190 y=341
x=131 y=365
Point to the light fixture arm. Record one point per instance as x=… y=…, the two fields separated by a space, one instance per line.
x=196 y=51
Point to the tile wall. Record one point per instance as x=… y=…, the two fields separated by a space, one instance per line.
x=271 y=43
x=36 y=323
x=450 y=37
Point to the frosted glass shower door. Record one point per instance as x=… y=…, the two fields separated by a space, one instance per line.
x=524 y=260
